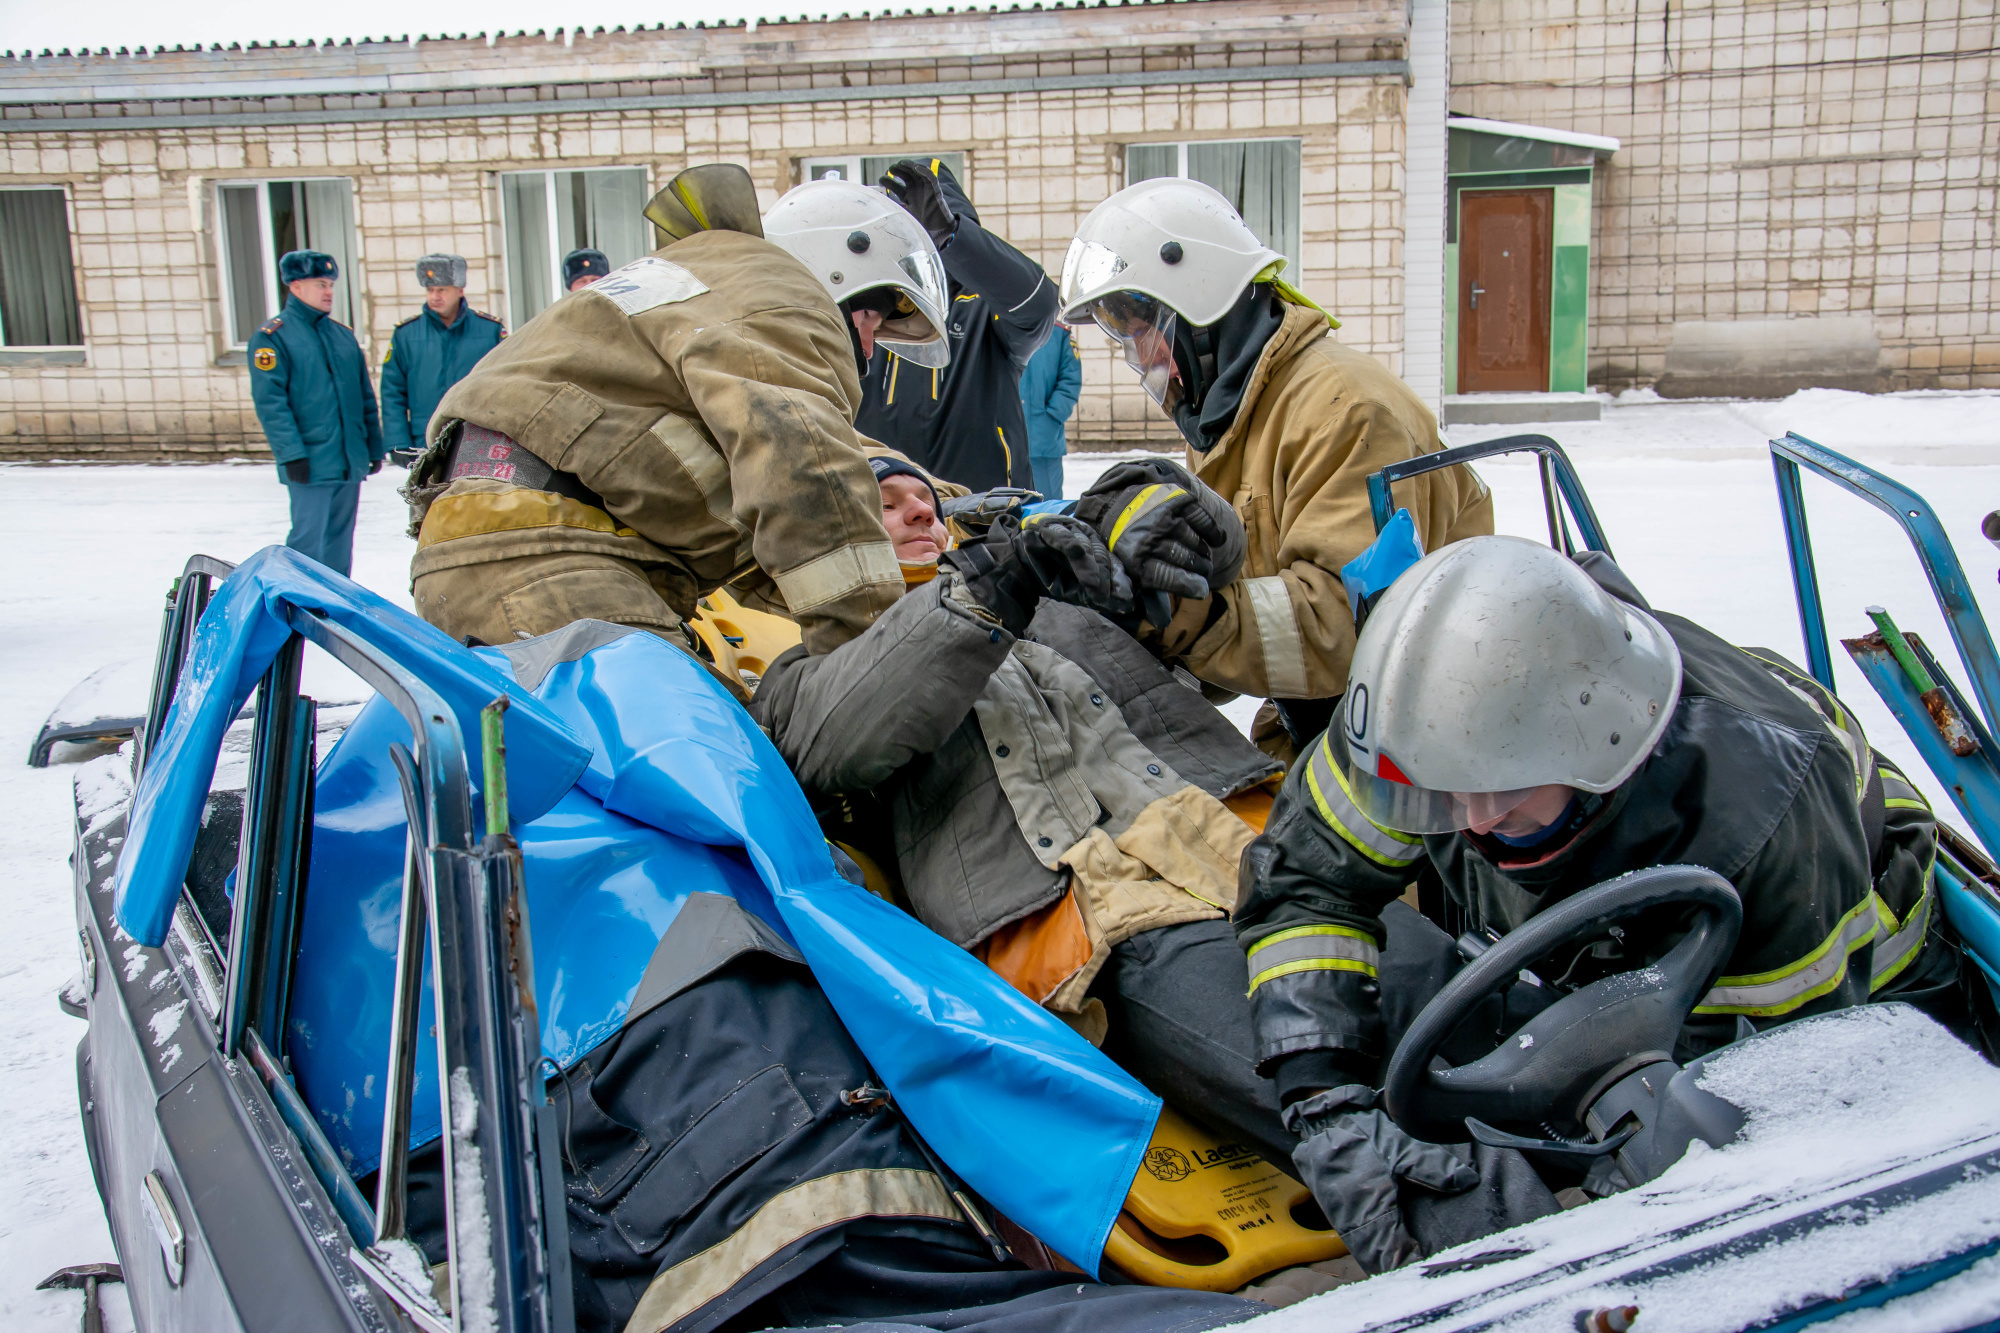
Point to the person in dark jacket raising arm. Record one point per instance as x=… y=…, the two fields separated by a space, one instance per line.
x=1524 y=727
x=962 y=420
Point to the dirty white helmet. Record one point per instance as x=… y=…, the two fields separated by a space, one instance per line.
x=858 y=240
x=1490 y=668
x=1155 y=252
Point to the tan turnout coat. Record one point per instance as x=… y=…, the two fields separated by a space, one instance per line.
x=707 y=393
x=1316 y=419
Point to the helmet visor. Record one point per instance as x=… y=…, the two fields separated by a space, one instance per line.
x=1088 y=269
x=1143 y=328
x=918 y=334
x=1371 y=780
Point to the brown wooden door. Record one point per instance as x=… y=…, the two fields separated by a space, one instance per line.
x=1504 y=259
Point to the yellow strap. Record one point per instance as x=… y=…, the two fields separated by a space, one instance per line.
x=1289 y=294
x=1148 y=499
x=469 y=515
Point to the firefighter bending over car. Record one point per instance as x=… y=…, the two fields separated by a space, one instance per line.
x=683 y=423
x=1281 y=420
x=1519 y=727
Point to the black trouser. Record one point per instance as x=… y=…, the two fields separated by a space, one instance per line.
x=1180 y=1023
x=680 y=1128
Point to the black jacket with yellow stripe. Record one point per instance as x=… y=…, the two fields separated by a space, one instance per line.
x=964 y=422
x=1762 y=776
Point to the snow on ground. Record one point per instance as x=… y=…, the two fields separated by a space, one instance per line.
x=1683 y=489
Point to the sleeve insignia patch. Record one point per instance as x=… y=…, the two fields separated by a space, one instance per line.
x=266 y=359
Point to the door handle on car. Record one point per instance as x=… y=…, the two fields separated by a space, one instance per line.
x=158 y=1205
x=1477 y=290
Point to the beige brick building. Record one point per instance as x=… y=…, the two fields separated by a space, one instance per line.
x=182 y=173
x=1802 y=193
x=1749 y=195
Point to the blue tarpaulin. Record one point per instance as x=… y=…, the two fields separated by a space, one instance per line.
x=676 y=792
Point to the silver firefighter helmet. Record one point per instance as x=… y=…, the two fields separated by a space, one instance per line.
x=858 y=240
x=1153 y=254
x=1490 y=668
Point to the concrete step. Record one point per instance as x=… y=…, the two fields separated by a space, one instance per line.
x=1510 y=409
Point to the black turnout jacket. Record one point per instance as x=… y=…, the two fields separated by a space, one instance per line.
x=1762 y=776
x=965 y=422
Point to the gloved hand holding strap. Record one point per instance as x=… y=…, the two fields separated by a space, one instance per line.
x=1354 y=1158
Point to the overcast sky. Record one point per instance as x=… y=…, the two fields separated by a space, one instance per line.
x=33 y=25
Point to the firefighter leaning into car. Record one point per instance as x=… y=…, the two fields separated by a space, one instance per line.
x=1052 y=798
x=1283 y=421
x=963 y=420
x=1517 y=728
x=683 y=423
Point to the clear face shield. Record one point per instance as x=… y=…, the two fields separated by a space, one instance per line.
x=1143 y=328
x=914 y=327
x=1390 y=799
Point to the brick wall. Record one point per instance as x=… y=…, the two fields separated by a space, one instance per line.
x=1832 y=166
x=143 y=199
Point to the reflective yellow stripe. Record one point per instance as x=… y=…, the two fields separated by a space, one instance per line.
x=1905 y=941
x=1780 y=991
x=1312 y=949
x=894 y=363
x=1335 y=801
x=469 y=515
x=1148 y=499
x=1006 y=454
x=1836 y=719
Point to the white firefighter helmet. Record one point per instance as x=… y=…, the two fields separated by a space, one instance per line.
x=1492 y=667
x=1153 y=253
x=858 y=240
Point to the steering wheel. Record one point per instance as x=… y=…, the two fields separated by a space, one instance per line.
x=1565 y=1054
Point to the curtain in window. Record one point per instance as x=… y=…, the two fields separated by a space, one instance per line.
x=603 y=210
x=524 y=207
x=37 y=285
x=328 y=216
x=1261 y=179
x=243 y=256
x=1151 y=161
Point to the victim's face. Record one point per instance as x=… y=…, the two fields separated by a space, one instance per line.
x=910 y=514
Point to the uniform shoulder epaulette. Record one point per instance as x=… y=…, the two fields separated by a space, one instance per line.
x=495 y=318
x=411 y=320
x=271 y=325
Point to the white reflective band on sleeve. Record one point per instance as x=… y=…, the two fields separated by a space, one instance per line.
x=838 y=573
x=1278 y=633
x=785 y=1219
x=1336 y=806
x=1893 y=954
x=1312 y=949
x=1769 y=994
x=705 y=463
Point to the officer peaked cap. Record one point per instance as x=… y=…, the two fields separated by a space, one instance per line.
x=584 y=264
x=300 y=264
x=441 y=270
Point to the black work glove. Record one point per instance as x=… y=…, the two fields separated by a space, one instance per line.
x=1352 y=1157
x=917 y=190
x=298 y=471
x=374 y=466
x=1011 y=568
x=1176 y=536
x=978 y=512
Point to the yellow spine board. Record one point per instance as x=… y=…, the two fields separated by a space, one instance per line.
x=1211 y=1215
x=741 y=639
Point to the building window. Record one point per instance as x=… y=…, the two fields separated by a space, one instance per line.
x=550 y=213
x=868 y=170
x=37 y=283
x=262 y=221
x=1259 y=177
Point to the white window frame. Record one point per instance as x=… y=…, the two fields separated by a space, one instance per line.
x=274 y=291
x=1181 y=170
x=850 y=165
x=548 y=175
x=75 y=273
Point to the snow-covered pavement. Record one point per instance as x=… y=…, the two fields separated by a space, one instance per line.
x=1684 y=490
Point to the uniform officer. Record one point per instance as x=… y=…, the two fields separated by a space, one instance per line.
x=310 y=386
x=1282 y=421
x=431 y=351
x=684 y=423
x=962 y=421
x=583 y=267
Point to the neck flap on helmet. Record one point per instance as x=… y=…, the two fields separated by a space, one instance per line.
x=717 y=196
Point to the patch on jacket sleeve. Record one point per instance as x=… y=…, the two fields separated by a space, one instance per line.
x=647 y=283
x=266 y=359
